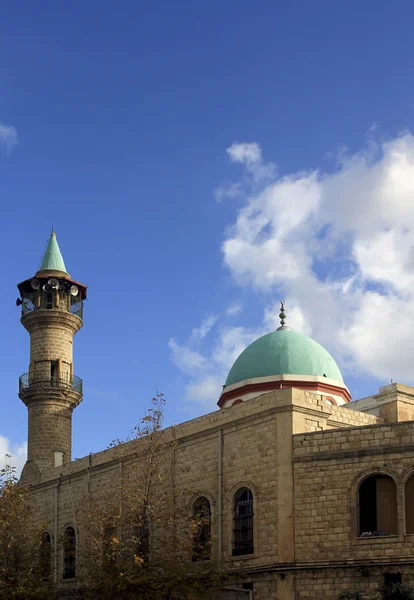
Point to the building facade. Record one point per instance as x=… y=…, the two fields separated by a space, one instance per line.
x=308 y=492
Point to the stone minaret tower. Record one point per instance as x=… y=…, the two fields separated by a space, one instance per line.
x=52 y=312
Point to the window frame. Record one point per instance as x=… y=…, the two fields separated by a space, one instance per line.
x=50 y=553
x=67 y=572
x=407 y=476
x=237 y=553
x=374 y=477
x=354 y=513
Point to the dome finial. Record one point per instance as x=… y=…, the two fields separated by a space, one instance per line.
x=282 y=313
x=282 y=316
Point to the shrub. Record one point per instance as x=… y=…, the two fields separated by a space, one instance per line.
x=348 y=595
x=396 y=591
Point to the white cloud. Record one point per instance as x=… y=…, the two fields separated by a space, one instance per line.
x=8 y=137
x=186 y=356
x=248 y=153
x=341 y=246
x=234 y=310
x=380 y=336
x=250 y=156
x=230 y=343
x=199 y=333
x=186 y=359
x=231 y=190
x=388 y=257
x=258 y=173
x=297 y=318
x=18 y=453
x=205 y=390
x=337 y=246
x=208 y=368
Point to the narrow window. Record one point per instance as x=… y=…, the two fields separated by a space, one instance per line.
x=409 y=505
x=243 y=522
x=45 y=556
x=69 y=553
x=202 y=529
x=49 y=300
x=54 y=372
x=377 y=506
x=58 y=458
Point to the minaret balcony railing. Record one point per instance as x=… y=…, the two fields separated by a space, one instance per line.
x=52 y=300
x=29 y=381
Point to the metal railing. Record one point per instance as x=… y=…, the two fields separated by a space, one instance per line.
x=32 y=301
x=35 y=380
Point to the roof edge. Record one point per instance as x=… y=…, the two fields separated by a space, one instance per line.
x=236 y=388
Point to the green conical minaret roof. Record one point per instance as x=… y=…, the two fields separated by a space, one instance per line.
x=52 y=258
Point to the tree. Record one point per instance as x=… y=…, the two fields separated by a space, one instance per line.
x=396 y=591
x=25 y=557
x=348 y=595
x=135 y=544
x=389 y=591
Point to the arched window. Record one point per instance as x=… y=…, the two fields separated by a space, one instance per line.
x=202 y=529
x=243 y=522
x=238 y=401
x=409 y=505
x=377 y=497
x=45 y=557
x=69 y=553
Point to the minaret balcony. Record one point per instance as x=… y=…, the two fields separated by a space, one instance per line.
x=53 y=300
x=29 y=382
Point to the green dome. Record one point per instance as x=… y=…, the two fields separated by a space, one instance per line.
x=283 y=352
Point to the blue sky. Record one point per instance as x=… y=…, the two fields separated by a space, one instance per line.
x=199 y=161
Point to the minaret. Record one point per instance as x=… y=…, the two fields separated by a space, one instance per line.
x=52 y=312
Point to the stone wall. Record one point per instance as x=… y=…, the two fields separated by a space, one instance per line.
x=50 y=429
x=313 y=413
x=328 y=467
x=327 y=583
x=304 y=488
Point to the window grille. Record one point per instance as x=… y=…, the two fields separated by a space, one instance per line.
x=409 y=505
x=49 y=300
x=243 y=522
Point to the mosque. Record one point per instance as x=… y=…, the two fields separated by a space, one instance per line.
x=307 y=491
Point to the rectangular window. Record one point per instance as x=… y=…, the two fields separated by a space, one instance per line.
x=54 y=372
x=243 y=523
x=58 y=459
x=49 y=300
x=69 y=553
